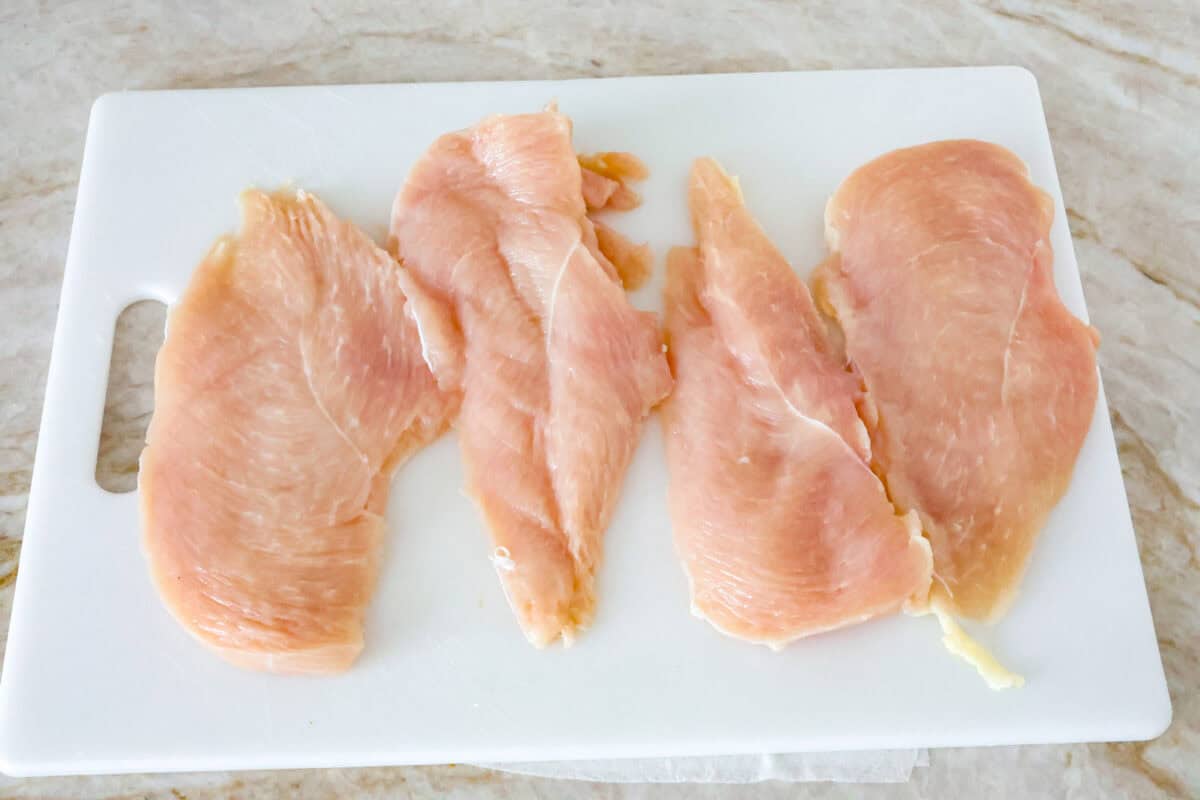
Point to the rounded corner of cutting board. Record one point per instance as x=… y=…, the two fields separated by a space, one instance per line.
x=1024 y=75
x=9 y=766
x=1158 y=720
x=13 y=761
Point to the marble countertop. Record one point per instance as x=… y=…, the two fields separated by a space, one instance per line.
x=1121 y=84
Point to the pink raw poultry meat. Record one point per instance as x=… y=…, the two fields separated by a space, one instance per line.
x=290 y=386
x=558 y=370
x=783 y=528
x=982 y=383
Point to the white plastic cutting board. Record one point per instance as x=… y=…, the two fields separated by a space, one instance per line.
x=98 y=678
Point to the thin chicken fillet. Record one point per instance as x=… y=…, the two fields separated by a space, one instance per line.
x=558 y=370
x=982 y=383
x=783 y=529
x=290 y=386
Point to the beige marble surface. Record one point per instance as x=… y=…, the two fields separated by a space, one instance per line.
x=1121 y=83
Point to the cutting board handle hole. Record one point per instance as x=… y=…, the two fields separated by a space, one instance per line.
x=130 y=397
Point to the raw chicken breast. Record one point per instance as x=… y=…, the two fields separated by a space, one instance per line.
x=983 y=384
x=558 y=370
x=783 y=528
x=290 y=386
